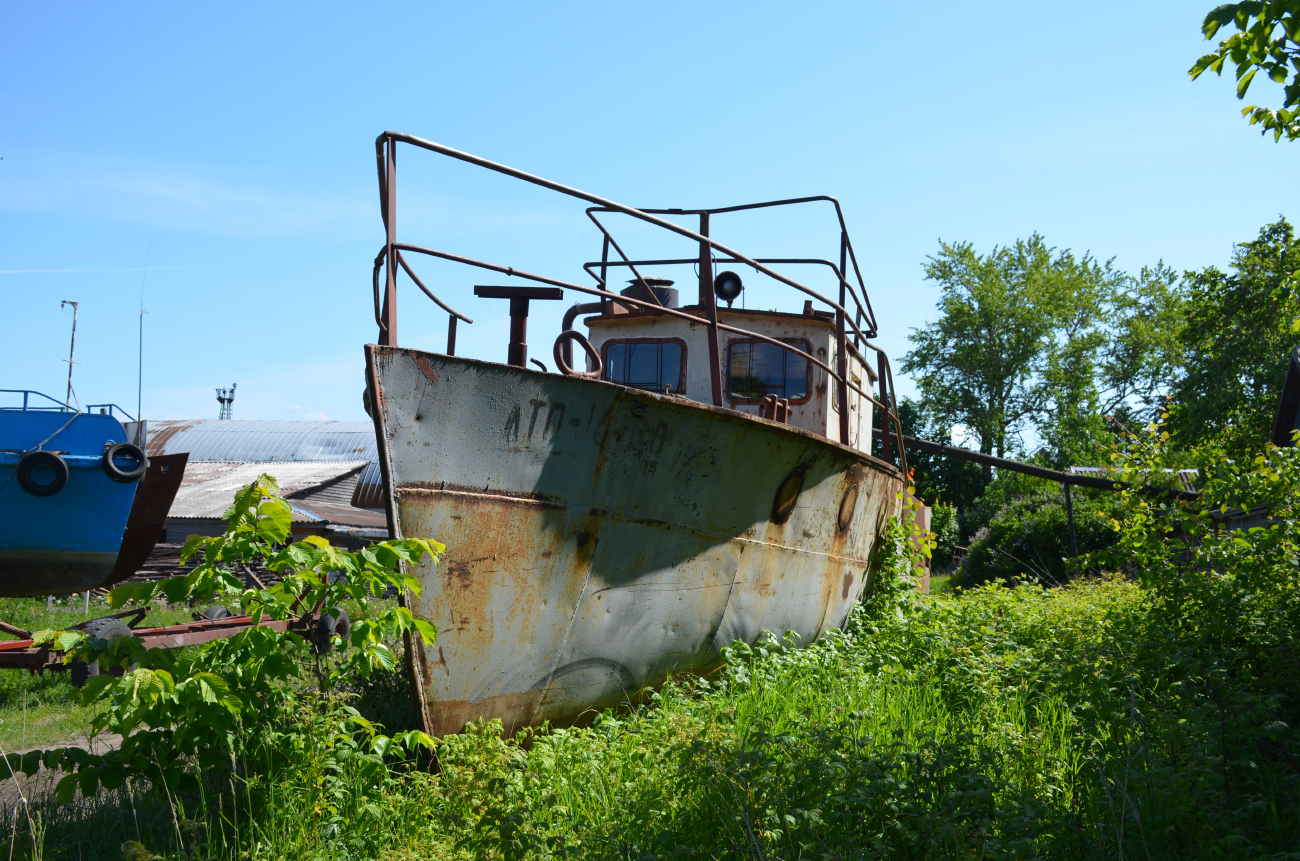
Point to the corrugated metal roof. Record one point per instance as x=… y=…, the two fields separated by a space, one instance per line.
x=209 y=488
x=264 y=441
x=369 y=490
x=342 y=515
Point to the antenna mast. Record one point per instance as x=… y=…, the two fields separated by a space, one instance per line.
x=139 y=382
x=71 y=347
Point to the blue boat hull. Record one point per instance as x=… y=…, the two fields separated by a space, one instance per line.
x=67 y=542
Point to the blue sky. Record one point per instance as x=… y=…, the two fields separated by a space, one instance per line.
x=233 y=145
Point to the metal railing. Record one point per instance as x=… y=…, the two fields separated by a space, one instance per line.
x=59 y=406
x=851 y=310
x=108 y=410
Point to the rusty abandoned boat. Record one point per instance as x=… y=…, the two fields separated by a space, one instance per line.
x=707 y=478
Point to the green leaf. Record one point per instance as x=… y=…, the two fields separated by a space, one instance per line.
x=274 y=520
x=66 y=791
x=1206 y=62
x=95 y=687
x=43 y=636
x=428 y=633
x=192 y=545
x=1243 y=83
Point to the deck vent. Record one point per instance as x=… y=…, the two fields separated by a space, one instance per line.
x=662 y=287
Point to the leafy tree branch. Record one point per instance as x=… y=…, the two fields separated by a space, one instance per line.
x=1268 y=41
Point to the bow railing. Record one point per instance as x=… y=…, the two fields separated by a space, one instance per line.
x=851 y=308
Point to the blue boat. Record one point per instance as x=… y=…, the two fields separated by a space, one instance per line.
x=67 y=482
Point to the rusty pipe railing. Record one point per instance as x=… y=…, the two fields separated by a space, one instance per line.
x=838 y=271
x=386 y=159
x=810 y=261
x=385 y=148
x=1064 y=478
x=691 y=318
x=792 y=201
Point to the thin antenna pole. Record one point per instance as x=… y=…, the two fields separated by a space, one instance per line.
x=139 y=385
x=72 y=347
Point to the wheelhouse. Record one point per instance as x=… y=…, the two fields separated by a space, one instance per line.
x=651 y=350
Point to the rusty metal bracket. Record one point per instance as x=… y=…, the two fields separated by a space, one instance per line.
x=15 y=631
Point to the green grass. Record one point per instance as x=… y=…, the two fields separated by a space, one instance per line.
x=939 y=584
x=994 y=723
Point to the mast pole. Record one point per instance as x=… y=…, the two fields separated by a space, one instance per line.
x=72 y=347
x=139 y=381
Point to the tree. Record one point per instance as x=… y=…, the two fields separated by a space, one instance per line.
x=1240 y=327
x=1014 y=342
x=1081 y=294
x=1268 y=40
x=1143 y=353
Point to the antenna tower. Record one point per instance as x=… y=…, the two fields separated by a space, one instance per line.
x=226 y=397
x=72 y=346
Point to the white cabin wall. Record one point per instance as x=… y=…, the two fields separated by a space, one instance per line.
x=861 y=411
x=816 y=414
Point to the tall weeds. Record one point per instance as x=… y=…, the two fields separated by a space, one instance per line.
x=1143 y=718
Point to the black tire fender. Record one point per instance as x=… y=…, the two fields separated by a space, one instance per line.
x=330 y=626
x=128 y=450
x=33 y=459
x=216 y=611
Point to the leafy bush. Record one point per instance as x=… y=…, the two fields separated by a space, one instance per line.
x=235 y=719
x=943 y=523
x=1028 y=540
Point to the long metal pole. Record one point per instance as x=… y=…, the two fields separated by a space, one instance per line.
x=710 y=304
x=72 y=347
x=389 y=336
x=604 y=285
x=886 y=419
x=139 y=380
x=1069 y=517
x=1067 y=478
x=842 y=354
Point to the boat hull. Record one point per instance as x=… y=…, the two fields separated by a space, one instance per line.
x=600 y=538
x=67 y=542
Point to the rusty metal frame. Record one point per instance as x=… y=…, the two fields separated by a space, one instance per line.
x=680 y=389
x=808 y=386
x=24 y=655
x=389 y=259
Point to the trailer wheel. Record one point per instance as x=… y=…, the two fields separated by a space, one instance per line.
x=216 y=611
x=330 y=626
x=51 y=463
x=106 y=628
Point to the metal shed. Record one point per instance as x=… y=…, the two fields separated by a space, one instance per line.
x=218 y=441
x=328 y=498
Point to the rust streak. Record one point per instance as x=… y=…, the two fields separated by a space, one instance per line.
x=416 y=490
x=425 y=368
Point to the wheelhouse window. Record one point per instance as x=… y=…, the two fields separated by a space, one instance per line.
x=653 y=364
x=756 y=369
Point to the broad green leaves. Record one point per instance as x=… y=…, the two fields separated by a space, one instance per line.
x=184 y=713
x=1268 y=40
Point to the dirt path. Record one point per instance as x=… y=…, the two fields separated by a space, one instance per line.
x=39 y=787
